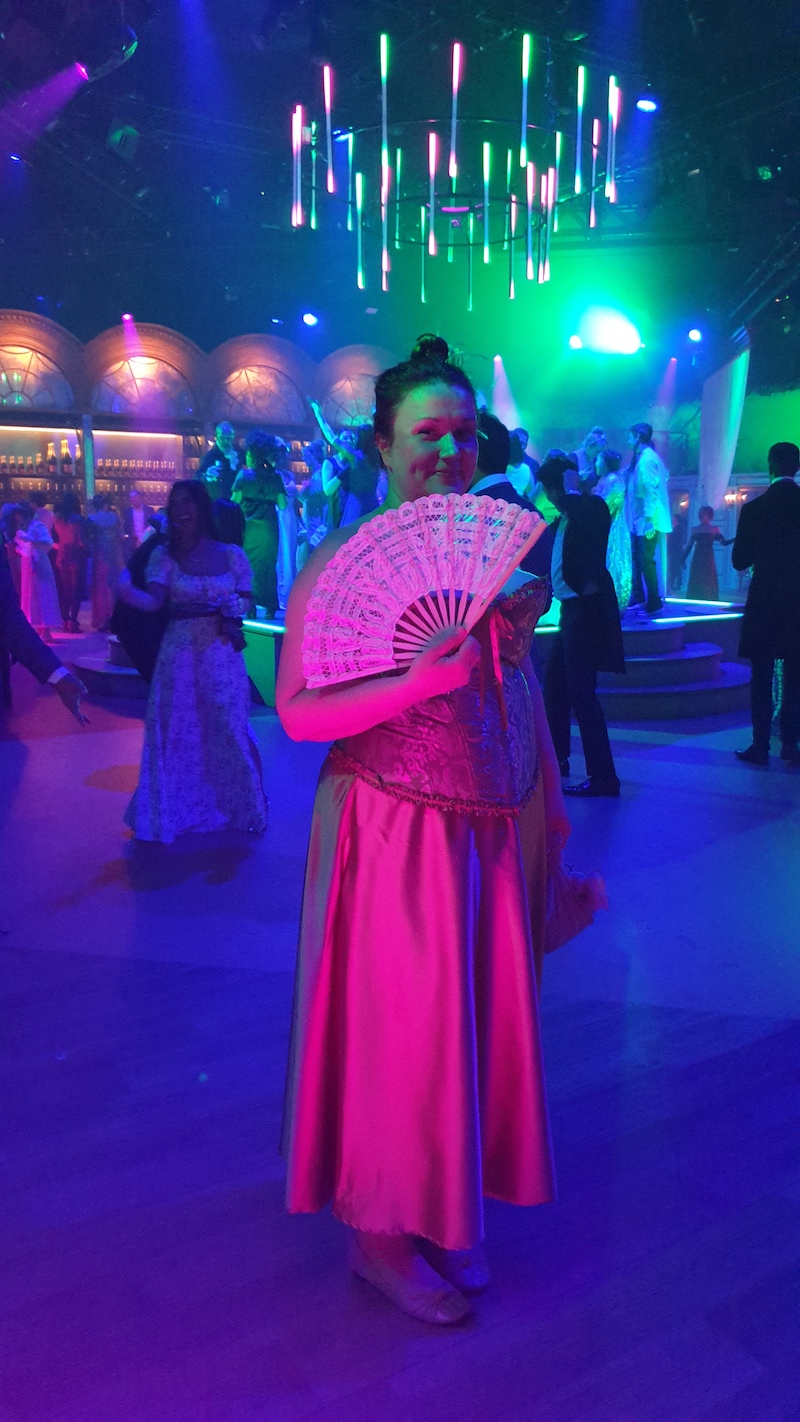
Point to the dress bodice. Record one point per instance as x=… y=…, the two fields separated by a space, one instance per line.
x=210 y=589
x=473 y=750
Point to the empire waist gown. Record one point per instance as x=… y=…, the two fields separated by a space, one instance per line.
x=415 y=1083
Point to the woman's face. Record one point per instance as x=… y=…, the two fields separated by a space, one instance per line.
x=184 y=517
x=434 y=444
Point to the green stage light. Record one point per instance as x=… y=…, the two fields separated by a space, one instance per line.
x=608 y=332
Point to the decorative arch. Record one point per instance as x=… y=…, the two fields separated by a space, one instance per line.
x=261 y=380
x=41 y=362
x=32 y=381
x=347 y=383
x=259 y=394
x=143 y=385
x=144 y=371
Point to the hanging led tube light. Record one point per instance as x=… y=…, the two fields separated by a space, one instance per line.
x=470 y=259
x=452 y=167
x=360 y=231
x=327 y=93
x=433 y=160
x=611 y=139
x=542 y=225
x=423 y=248
x=313 y=220
x=398 y=167
x=530 y=193
x=512 y=232
x=487 y=173
x=579 y=129
x=559 y=146
x=526 y=69
x=386 y=178
x=297 y=168
x=597 y=130
x=551 y=209
x=509 y=162
x=350 y=190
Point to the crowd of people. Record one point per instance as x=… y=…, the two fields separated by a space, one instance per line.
x=415 y=1084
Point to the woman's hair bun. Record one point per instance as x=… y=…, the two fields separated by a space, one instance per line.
x=430 y=349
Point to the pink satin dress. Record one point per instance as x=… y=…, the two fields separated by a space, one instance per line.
x=415 y=1083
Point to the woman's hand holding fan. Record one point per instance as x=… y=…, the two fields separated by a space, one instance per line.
x=408 y=577
x=445 y=664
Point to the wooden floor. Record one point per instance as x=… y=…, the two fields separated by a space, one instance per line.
x=149 y=1272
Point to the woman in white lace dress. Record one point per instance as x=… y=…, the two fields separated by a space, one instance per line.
x=200 y=769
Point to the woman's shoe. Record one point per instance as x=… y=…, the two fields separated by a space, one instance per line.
x=424 y=1295
x=466 y=1269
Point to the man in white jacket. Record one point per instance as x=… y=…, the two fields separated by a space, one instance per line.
x=648 y=515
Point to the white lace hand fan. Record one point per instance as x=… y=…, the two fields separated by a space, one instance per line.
x=434 y=563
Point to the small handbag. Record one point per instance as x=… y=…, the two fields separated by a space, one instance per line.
x=572 y=901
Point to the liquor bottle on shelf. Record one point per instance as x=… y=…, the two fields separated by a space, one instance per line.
x=41 y=472
x=30 y=468
x=52 y=462
x=12 y=469
x=79 y=469
x=4 y=473
x=66 y=460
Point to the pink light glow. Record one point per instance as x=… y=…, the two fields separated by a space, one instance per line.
x=126 y=316
x=327 y=89
x=504 y=406
x=83 y=71
x=27 y=115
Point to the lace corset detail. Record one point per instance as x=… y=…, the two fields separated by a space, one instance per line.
x=473 y=750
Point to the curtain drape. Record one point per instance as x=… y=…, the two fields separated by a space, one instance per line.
x=720 y=419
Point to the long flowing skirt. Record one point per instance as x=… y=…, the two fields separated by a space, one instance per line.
x=415 y=1082
x=38 y=593
x=619 y=560
x=199 y=768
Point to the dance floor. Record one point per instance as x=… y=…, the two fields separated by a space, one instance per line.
x=148 y=1271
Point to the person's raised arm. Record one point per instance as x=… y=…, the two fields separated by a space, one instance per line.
x=350 y=707
x=328 y=434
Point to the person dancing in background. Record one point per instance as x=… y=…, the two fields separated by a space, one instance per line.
x=105 y=545
x=703 y=580
x=649 y=518
x=220 y=463
x=260 y=492
x=314 y=503
x=38 y=592
x=200 y=768
x=423 y=911
x=347 y=473
x=609 y=485
x=71 y=556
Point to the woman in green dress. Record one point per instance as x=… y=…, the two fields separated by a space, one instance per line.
x=260 y=491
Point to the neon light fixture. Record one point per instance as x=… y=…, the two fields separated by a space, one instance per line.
x=526 y=70
x=509 y=162
x=647 y=106
x=695 y=335
x=611 y=139
x=297 y=170
x=512 y=232
x=310 y=318
x=350 y=179
x=559 y=146
x=398 y=168
x=470 y=259
x=423 y=246
x=487 y=173
x=579 y=129
x=433 y=159
x=452 y=167
x=313 y=218
x=327 y=94
x=360 y=283
x=597 y=133
x=530 y=193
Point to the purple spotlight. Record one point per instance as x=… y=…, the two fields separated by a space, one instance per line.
x=127 y=316
x=15 y=158
x=83 y=71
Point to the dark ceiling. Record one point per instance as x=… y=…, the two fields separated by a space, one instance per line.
x=176 y=165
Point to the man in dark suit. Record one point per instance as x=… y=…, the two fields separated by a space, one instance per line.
x=221 y=463
x=589 y=638
x=19 y=643
x=494 y=444
x=768 y=541
x=136 y=522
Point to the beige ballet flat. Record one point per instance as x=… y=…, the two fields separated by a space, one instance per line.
x=466 y=1269
x=439 y=1303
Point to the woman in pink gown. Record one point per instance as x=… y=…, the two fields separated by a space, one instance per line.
x=415 y=1084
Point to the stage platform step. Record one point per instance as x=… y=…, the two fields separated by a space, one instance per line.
x=649 y=639
x=102 y=677
x=698 y=661
x=728 y=691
